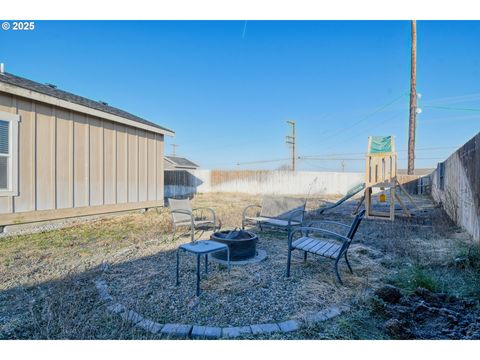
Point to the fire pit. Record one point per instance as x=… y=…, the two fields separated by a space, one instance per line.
x=242 y=244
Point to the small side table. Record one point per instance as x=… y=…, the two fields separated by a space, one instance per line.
x=203 y=247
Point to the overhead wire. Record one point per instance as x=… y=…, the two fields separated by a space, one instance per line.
x=452 y=108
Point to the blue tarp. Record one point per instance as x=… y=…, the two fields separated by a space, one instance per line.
x=380 y=144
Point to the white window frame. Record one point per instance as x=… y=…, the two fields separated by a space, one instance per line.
x=13 y=120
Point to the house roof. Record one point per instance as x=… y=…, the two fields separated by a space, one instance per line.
x=51 y=90
x=421 y=171
x=181 y=161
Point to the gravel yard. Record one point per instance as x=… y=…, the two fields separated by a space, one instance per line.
x=47 y=278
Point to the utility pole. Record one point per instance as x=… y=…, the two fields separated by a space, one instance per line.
x=343 y=165
x=413 y=103
x=290 y=140
x=174 y=146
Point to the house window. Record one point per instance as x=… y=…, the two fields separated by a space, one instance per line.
x=8 y=154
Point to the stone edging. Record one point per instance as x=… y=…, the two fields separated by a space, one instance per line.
x=211 y=332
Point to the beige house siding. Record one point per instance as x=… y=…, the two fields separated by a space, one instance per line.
x=72 y=164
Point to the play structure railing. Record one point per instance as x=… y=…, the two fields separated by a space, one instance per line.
x=380 y=169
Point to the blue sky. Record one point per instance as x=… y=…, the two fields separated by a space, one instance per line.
x=227 y=88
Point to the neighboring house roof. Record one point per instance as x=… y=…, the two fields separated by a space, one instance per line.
x=420 y=171
x=51 y=90
x=181 y=162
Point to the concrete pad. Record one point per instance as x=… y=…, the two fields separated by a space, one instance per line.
x=261 y=255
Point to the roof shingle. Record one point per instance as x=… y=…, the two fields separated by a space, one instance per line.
x=181 y=161
x=76 y=99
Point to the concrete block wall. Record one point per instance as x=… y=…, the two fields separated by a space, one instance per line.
x=459 y=191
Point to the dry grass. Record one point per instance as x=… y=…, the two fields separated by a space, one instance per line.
x=47 y=278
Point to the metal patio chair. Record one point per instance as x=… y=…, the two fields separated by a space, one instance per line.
x=184 y=216
x=328 y=244
x=279 y=212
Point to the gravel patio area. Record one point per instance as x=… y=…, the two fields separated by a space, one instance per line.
x=254 y=293
x=48 y=278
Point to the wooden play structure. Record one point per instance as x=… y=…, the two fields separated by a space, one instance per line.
x=381 y=173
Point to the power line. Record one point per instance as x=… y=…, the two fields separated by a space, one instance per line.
x=341 y=156
x=385 y=122
x=454 y=99
x=363 y=159
x=451 y=108
x=261 y=161
x=364 y=118
x=363 y=153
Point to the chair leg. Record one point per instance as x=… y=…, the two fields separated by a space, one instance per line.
x=174 y=231
x=206 y=263
x=348 y=264
x=336 y=272
x=198 y=275
x=228 y=260
x=305 y=256
x=178 y=264
x=289 y=259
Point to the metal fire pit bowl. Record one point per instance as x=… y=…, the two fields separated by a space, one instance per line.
x=242 y=244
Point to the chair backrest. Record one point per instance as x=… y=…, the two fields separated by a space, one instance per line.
x=355 y=224
x=281 y=207
x=180 y=204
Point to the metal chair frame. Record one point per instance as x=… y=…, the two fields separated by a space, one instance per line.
x=193 y=227
x=342 y=251
x=292 y=221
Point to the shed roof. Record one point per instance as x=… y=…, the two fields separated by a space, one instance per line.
x=51 y=90
x=181 y=161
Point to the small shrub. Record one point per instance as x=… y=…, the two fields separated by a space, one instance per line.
x=469 y=257
x=414 y=277
x=377 y=305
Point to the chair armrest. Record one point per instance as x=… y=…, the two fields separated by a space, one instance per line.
x=214 y=215
x=185 y=212
x=328 y=233
x=293 y=214
x=244 y=214
x=313 y=223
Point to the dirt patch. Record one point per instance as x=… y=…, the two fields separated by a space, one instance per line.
x=428 y=315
